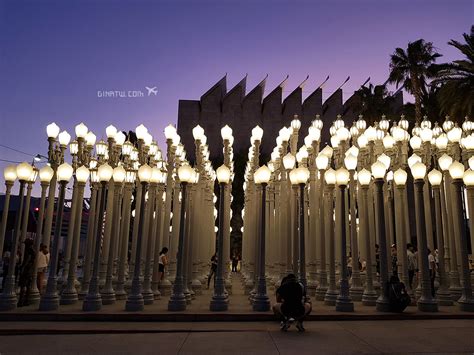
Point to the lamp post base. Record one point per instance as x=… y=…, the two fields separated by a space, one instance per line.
x=134 y=303
x=369 y=298
x=382 y=305
x=344 y=304
x=330 y=297
x=456 y=292
x=261 y=303
x=427 y=305
x=165 y=287
x=108 y=297
x=320 y=292
x=148 y=296
x=177 y=303
x=69 y=297
x=8 y=302
x=92 y=303
x=49 y=303
x=444 y=298
x=34 y=296
x=120 y=294
x=356 y=293
x=219 y=303
x=466 y=305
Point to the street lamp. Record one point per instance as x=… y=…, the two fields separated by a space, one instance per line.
x=456 y=170
x=93 y=300
x=331 y=292
x=322 y=162
x=426 y=302
x=45 y=175
x=261 y=301
x=219 y=301
x=8 y=299
x=444 y=296
x=343 y=302
x=50 y=300
x=177 y=300
x=135 y=300
x=378 y=171
x=9 y=175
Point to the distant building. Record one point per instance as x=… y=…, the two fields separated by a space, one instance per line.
x=242 y=111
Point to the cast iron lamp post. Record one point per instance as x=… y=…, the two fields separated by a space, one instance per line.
x=322 y=162
x=45 y=174
x=426 y=302
x=9 y=175
x=177 y=300
x=456 y=170
x=135 y=300
x=261 y=302
x=331 y=292
x=343 y=302
x=93 y=300
x=8 y=299
x=50 y=300
x=299 y=177
x=219 y=301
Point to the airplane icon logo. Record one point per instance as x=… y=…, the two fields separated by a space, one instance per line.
x=152 y=90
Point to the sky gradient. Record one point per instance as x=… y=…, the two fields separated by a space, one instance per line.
x=56 y=55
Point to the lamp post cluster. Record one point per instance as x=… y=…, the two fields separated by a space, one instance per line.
x=351 y=200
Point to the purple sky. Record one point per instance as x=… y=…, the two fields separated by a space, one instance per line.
x=56 y=55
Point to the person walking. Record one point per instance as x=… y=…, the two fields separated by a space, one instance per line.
x=26 y=272
x=42 y=266
x=212 y=272
x=162 y=262
x=432 y=268
x=412 y=264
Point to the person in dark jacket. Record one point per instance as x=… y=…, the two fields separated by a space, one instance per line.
x=291 y=303
x=27 y=269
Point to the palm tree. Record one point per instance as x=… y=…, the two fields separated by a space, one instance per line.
x=374 y=102
x=456 y=95
x=412 y=68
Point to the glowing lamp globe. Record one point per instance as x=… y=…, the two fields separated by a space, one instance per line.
x=74 y=147
x=295 y=123
x=350 y=161
x=82 y=174
x=153 y=149
x=418 y=170
x=318 y=123
x=327 y=151
x=468 y=142
x=64 y=172
x=445 y=162
x=105 y=172
x=90 y=139
x=371 y=134
x=262 y=175
x=435 y=177
x=147 y=139
x=330 y=177
x=361 y=123
x=81 y=130
x=362 y=141
x=130 y=176
x=388 y=142
x=426 y=134
x=299 y=176
x=24 y=171
x=415 y=142
x=185 y=173
x=170 y=132
x=9 y=173
x=322 y=161
x=398 y=134
x=335 y=141
x=141 y=131
x=353 y=150
x=364 y=177
x=198 y=132
x=94 y=175
x=454 y=135
x=226 y=133
x=64 y=138
x=111 y=131
x=289 y=161
x=93 y=163
x=471 y=163
x=223 y=174
x=46 y=174
x=442 y=141
x=314 y=133
x=378 y=169
x=385 y=159
x=456 y=170
x=101 y=148
x=127 y=148
x=52 y=130
x=285 y=134
x=413 y=160
x=119 y=174
x=400 y=177
x=119 y=138
x=257 y=133
x=343 y=134
x=342 y=176
x=468 y=178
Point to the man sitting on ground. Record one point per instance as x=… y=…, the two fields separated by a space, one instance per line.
x=291 y=303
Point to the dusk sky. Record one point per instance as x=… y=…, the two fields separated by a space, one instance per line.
x=56 y=55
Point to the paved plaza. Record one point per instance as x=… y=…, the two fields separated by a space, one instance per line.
x=349 y=337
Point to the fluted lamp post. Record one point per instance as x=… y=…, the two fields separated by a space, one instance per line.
x=426 y=302
x=8 y=299
x=379 y=169
x=261 y=301
x=456 y=170
x=219 y=301
x=9 y=175
x=299 y=177
x=50 y=300
x=93 y=300
x=343 y=302
x=369 y=296
x=322 y=162
x=177 y=300
x=135 y=301
x=331 y=292
x=289 y=162
x=45 y=174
